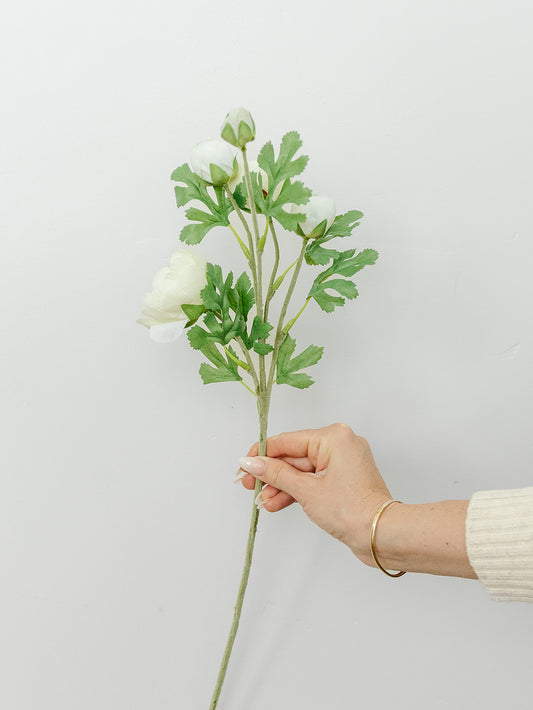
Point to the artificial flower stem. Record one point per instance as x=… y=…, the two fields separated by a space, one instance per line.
x=259 y=263
x=248 y=359
x=236 y=360
x=259 y=253
x=263 y=238
x=262 y=406
x=242 y=245
x=280 y=334
x=270 y=291
x=289 y=325
x=248 y=388
x=251 y=260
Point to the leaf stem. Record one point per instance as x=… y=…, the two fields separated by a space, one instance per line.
x=248 y=388
x=251 y=260
x=242 y=245
x=280 y=334
x=252 y=370
x=271 y=290
x=289 y=325
x=240 y=363
x=259 y=252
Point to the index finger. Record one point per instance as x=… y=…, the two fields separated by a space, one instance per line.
x=294 y=444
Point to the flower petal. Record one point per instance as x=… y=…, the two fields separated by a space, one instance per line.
x=167 y=332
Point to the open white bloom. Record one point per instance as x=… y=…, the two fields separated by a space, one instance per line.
x=214 y=161
x=238 y=127
x=174 y=285
x=320 y=212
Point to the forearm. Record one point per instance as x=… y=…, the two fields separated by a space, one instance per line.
x=426 y=538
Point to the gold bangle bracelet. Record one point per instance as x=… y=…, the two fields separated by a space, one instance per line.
x=373 y=538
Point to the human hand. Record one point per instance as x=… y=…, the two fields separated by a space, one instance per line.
x=331 y=472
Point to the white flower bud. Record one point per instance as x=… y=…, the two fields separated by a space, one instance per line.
x=238 y=127
x=214 y=161
x=179 y=283
x=320 y=212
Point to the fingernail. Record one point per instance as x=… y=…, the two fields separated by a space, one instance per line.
x=239 y=476
x=253 y=465
x=260 y=502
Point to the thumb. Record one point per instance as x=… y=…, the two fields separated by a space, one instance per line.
x=278 y=473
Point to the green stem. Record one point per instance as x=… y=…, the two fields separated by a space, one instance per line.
x=248 y=359
x=270 y=292
x=263 y=238
x=236 y=360
x=242 y=245
x=248 y=388
x=280 y=334
x=258 y=252
x=259 y=263
x=262 y=407
x=289 y=325
x=251 y=260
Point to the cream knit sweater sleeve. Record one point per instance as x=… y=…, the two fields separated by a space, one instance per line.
x=499 y=542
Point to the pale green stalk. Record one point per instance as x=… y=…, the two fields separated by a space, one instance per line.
x=251 y=260
x=259 y=257
x=280 y=334
x=270 y=291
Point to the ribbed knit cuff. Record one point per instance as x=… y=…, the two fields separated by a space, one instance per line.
x=499 y=542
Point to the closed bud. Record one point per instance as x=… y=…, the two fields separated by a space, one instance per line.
x=238 y=127
x=319 y=213
x=214 y=161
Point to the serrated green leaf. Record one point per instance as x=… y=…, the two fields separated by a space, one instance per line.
x=316 y=254
x=194 y=233
x=343 y=225
x=327 y=301
x=262 y=348
x=211 y=374
x=259 y=330
x=245 y=295
x=193 y=312
x=280 y=172
x=196 y=189
x=287 y=367
x=284 y=167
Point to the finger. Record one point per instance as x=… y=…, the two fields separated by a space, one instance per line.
x=294 y=444
x=291 y=444
x=277 y=502
x=279 y=474
x=302 y=464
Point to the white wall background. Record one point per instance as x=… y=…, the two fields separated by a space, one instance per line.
x=121 y=535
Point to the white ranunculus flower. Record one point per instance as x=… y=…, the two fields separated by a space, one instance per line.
x=320 y=212
x=174 y=285
x=238 y=127
x=214 y=161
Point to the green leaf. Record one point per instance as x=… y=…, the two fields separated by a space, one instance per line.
x=284 y=167
x=245 y=295
x=316 y=254
x=280 y=172
x=262 y=348
x=287 y=367
x=194 y=233
x=195 y=188
x=193 y=312
x=211 y=374
x=259 y=331
x=327 y=301
x=343 y=225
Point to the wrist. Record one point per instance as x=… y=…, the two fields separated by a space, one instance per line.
x=427 y=537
